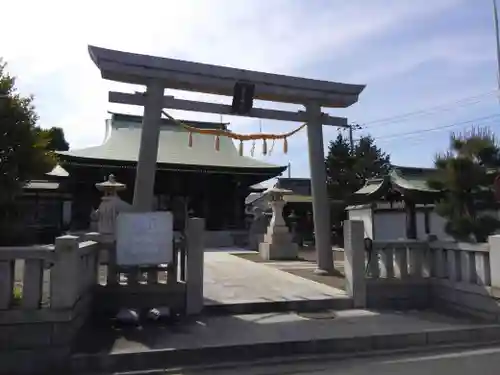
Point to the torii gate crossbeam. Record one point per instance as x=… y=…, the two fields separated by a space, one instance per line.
x=158 y=73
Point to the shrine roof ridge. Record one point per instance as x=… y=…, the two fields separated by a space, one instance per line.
x=122 y=143
x=140 y=69
x=118 y=118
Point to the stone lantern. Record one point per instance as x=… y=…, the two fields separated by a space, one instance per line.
x=111 y=205
x=278 y=243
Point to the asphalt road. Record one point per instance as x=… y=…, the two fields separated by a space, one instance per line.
x=483 y=361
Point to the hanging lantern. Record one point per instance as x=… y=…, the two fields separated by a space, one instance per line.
x=264 y=147
x=190 y=142
x=285 y=146
x=217 y=142
x=241 y=148
x=272 y=147
x=252 y=150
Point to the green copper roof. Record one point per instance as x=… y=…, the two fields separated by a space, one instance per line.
x=124 y=135
x=407 y=181
x=372 y=186
x=412 y=179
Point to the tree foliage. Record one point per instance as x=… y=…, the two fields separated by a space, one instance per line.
x=23 y=145
x=348 y=169
x=56 y=139
x=465 y=174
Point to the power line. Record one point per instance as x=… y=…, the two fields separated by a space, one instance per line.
x=417 y=140
x=448 y=106
x=417 y=132
x=431 y=110
x=478 y=121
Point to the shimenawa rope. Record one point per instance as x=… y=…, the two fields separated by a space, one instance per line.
x=240 y=137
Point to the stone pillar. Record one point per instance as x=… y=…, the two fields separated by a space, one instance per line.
x=278 y=242
x=258 y=226
x=148 y=150
x=321 y=206
x=64 y=282
x=494 y=270
x=195 y=261
x=354 y=261
x=293 y=219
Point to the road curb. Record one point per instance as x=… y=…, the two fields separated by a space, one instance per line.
x=218 y=355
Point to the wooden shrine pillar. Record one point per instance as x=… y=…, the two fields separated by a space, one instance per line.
x=411 y=219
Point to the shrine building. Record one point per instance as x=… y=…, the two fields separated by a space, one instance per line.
x=192 y=177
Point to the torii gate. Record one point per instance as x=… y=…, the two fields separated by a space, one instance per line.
x=158 y=73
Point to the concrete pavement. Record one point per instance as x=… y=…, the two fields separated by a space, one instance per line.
x=484 y=361
x=230 y=280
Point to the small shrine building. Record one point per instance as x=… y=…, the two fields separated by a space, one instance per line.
x=399 y=205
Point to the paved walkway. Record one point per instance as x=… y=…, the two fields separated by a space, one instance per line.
x=231 y=280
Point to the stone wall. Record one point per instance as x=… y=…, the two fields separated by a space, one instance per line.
x=480 y=302
x=38 y=341
x=483 y=303
x=394 y=294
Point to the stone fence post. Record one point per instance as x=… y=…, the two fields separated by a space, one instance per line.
x=354 y=262
x=494 y=242
x=195 y=246
x=64 y=275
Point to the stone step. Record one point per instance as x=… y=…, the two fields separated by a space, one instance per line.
x=166 y=360
x=317 y=304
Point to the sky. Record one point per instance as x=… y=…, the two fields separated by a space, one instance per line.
x=429 y=66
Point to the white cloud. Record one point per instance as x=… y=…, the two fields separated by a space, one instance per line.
x=460 y=50
x=48 y=50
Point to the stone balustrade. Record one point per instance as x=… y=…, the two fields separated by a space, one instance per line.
x=47 y=293
x=47 y=277
x=456 y=262
x=423 y=274
x=45 y=297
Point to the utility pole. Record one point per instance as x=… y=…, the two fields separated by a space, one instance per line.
x=289 y=170
x=353 y=127
x=351 y=139
x=497 y=37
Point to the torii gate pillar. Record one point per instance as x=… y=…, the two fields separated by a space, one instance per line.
x=148 y=149
x=320 y=201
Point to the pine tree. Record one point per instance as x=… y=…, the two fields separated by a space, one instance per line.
x=465 y=174
x=348 y=169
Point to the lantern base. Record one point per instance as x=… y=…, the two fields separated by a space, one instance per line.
x=278 y=245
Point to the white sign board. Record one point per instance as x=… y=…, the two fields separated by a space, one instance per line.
x=144 y=239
